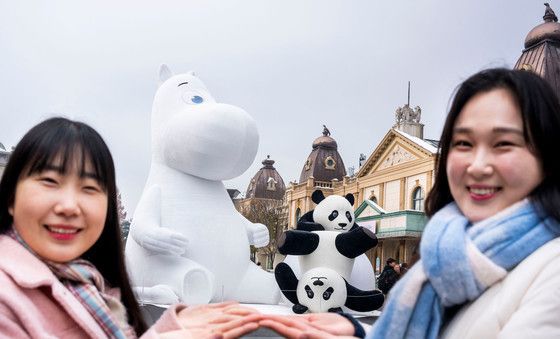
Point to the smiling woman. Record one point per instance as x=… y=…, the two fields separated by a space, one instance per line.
x=58 y=201
x=490 y=253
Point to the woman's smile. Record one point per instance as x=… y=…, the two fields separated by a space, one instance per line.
x=62 y=232
x=481 y=193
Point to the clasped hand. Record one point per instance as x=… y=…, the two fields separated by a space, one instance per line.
x=231 y=320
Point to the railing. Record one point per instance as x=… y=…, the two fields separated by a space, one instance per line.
x=323 y=184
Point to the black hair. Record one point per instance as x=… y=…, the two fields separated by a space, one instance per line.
x=540 y=113
x=390 y=261
x=67 y=141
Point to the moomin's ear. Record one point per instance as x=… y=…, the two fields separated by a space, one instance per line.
x=164 y=73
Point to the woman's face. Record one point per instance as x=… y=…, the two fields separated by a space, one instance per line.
x=60 y=216
x=489 y=166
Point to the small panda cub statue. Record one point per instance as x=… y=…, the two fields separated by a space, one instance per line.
x=326 y=242
x=321 y=290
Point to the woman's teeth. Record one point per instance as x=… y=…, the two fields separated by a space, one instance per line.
x=483 y=191
x=63 y=230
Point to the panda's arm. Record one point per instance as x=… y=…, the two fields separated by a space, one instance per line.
x=306 y=223
x=297 y=242
x=287 y=281
x=309 y=226
x=363 y=301
x=355 y=242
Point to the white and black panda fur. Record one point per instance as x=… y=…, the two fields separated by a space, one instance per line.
x=328 y=238
x=321 y=290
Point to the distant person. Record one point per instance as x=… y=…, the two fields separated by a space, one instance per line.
x=389 y=276
x=490 y=253
x=404 y=268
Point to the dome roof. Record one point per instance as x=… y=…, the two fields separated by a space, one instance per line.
x=324 y=162
x=266 y=183
x=549 y=29
x=325 y=142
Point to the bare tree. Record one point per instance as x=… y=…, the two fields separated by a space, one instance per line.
x=270 y=213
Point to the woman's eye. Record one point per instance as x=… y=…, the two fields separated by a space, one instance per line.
x=92 y=188
x=504 y=144
x=48 y=180
x=461 y=143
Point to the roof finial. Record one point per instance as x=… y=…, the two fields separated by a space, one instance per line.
x=408 y=102
x=326 y=131
x=549 y=15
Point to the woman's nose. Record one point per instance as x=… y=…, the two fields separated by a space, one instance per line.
x=481 y=164
x=68 y=204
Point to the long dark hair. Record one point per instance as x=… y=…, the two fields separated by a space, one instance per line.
x=60 y=137
x=540 y=112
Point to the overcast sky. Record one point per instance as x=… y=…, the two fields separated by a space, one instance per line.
x=293 y=65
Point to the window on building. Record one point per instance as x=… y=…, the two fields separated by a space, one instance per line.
x=418 y=199
x=373 y=198
x=271 y=184
x=298 y=214
x=330 y=163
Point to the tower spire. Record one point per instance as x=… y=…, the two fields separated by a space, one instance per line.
x=408 y=101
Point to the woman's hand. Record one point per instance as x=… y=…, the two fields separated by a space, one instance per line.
x=223 y=320
x=311 y=326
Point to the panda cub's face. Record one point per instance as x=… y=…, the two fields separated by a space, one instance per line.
x=321 y=289
x=334 y=213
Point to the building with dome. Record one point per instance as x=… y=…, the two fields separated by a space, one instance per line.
x=264 y=203
x=542 y=50
x=323 y=163
x=266 y=183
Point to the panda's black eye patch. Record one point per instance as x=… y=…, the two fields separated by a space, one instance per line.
x=333 y=215
x=309 y=292
x=327 y=294
x=349 y=216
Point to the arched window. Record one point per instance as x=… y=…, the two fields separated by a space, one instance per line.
x=418 y=199
x=298 y=214
x=373 y=198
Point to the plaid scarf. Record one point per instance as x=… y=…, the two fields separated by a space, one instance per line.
x=85 y=282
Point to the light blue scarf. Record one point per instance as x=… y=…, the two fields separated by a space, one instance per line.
x=459 y=262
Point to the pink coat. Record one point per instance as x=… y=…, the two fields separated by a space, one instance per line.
x=33 y=303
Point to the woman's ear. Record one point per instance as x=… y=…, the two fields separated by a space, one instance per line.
x=11 y=210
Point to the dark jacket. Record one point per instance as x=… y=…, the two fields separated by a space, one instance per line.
x=387 y=279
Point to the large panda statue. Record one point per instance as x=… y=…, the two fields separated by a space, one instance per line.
x=327 y=238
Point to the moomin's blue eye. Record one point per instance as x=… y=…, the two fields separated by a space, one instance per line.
x=197 y=99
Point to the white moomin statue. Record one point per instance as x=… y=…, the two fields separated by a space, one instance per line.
x=187 y=242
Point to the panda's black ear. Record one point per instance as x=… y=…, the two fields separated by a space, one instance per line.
x=317 y=196
x=350 y=198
